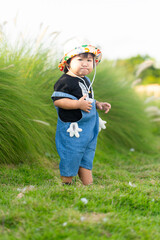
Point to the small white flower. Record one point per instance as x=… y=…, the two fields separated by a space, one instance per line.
x=84 y=200
x=64 y=224
x=132 y=149
x=20 y=195
x=24 y=189
x=105 y=219
x=132 y=184
x=28 y=188
x=82 y=219
x=153 y=200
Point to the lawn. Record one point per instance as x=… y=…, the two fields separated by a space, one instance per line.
x=123 y=202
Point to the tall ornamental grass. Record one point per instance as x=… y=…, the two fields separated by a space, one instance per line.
x=152 y=109
x=128 y=125
x=28 y=118
x=26 y=132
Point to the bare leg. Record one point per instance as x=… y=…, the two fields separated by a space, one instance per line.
x=85 y=175
x=67 y=180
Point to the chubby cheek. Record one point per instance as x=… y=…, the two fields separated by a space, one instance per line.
x=90 y=68
x=74 y=66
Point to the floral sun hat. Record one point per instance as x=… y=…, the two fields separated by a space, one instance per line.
x=78 y=50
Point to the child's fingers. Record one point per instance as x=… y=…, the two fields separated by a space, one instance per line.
x=107 y=111
x=84 y=104
x=108 y=105
x=88 y=108
x=99 y=106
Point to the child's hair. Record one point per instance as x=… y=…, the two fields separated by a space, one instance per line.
x=85 y=55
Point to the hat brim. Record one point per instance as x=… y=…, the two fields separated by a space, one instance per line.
x=79 y=50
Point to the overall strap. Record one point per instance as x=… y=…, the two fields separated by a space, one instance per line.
x=91 y=86
x=88 y=79
x=62 y=94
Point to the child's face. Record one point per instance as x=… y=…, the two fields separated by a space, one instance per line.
x=81 y=65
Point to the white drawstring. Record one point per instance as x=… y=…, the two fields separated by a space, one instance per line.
x=93 y=77
x=88 y=88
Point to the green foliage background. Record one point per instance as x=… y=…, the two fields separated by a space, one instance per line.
x=28 y=118
x=150 y=76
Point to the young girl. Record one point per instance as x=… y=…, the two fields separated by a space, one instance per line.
x=78 y=120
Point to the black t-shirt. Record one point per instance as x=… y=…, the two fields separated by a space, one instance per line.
x=75 y=87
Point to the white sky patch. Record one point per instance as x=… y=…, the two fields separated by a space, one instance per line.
x=122 y=28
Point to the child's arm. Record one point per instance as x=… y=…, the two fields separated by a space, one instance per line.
x=69 y=104
x=103 y=106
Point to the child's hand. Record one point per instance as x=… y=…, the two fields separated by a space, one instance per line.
x=103 y=106
x=84 y=105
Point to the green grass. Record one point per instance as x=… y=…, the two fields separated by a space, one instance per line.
x=115 y=210
x=123 y=202
x=128 y=126
x=27 y=77
x=26 y=131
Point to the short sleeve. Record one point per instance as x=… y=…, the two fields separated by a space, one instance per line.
x=62 y=85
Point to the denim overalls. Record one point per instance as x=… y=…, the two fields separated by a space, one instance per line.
x=75 y=151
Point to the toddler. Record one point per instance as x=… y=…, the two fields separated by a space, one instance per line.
x=78 y=120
